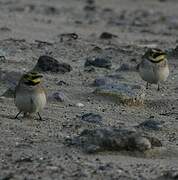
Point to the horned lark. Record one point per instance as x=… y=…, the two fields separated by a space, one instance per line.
x=30 y=96
x=154 y=67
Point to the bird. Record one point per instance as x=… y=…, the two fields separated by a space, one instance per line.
x=154 y=67
x=30 y=96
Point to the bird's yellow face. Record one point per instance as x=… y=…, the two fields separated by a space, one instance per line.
x=156 y=55
x=32 y=78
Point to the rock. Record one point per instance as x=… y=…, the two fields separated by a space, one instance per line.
x=89 y=69
x=60 y=83
x=92 y=118
x=24 y=158
x=9 y=93
x=124 y=93
x=106 y=35
x=100 y=81
x=68 y=37
x=80 y=105
x=10 y=77
x=49 y=64
x=116 y=77
x=90 y=1
x=112 y=139
x=126 y=67
x=98 y=62
x=172 y=52
x=51 y=10
x=168 y=175
x=152 y=124
x=58 y=96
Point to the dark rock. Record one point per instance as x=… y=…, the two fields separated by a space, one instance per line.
x=90 y=2
x=168 y=175
x=92 y=118
x=115 y=77
x=126 y=67
x=51 y=10
x=112 y=139
x=98 y=62
x=90 y=7
x=59 y=96
x=89 y=69
x=10 y=77
x=24 y=158
x=106 y=35
x=9 y=93
x=47 y=63
x=97 y=49
x=100 y=81
x=152 y=124
x=124 y=93
x=5 y=29
x=68 y=36
x=60 y=83
x=7 y=176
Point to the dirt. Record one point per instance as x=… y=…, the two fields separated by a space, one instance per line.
x=32 y=149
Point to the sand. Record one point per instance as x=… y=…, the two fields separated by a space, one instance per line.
x=32 y=149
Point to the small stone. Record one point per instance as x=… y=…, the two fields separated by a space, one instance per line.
x=92 y=118
x=60 y=83
x=100 y=81
x=52 y=168
x=90 y=7
x=89 y=69
x=5 y=29
x=124 y=93
x=152 y=125
x=24 y=158
x=51 y=10
x=98 y=62
x=9 y=93
x=106 y=35
x=126 y=67
x=59 y=96
x=169 y=175
x=68 y=37
x=10 y=77
x=80 y=105
x=47 y=63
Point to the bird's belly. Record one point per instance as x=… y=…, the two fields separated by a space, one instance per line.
x=154 y=74
x=163 y=73
x=30 y=103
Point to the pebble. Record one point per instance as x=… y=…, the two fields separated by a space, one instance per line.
x=80 y=105
x=152 y=124
x=92 y=118
x=106 y=35
x=126 y=67
x=100 y=81
x=59 y=96
x=98 y=62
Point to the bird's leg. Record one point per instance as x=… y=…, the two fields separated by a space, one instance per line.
x=40 y=118
x=147 y=85
x=158 y=87
x=16 y=117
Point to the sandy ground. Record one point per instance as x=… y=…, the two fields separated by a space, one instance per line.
x=30 y=149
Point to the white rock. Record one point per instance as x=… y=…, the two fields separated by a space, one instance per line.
x=80 y=105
